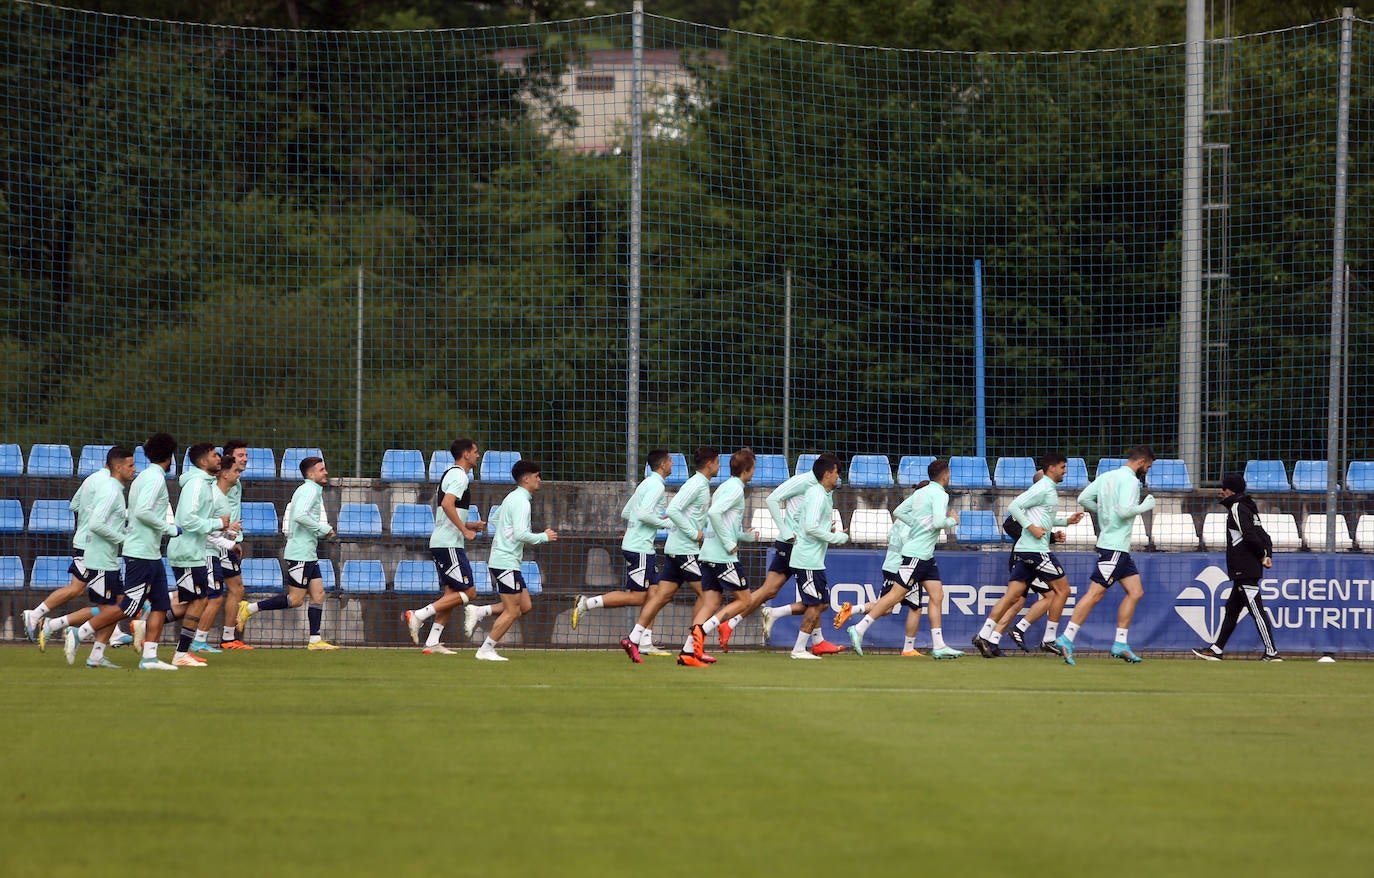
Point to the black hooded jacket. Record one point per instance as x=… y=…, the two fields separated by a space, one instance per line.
x=1247 y=544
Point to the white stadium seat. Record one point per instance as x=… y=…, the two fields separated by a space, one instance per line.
x=1282 y=529
x=870 y=526
x=1175 y=532
x=1314 y=532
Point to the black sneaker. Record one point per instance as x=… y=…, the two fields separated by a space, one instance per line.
x=984 y=647
x=1019 y=638
x=1050 y=647
x=1208 y=654
x=1271 y=658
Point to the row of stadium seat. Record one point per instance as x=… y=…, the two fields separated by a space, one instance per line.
x=265 y=575
x=864 y=471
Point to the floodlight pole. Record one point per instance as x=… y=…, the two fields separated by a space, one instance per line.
x=1338 y=278
x=1190 y=293
x=636 y=209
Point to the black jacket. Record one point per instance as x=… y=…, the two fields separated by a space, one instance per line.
x=1247 y=545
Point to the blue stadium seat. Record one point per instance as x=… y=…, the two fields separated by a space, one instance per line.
x=770 y=470
x=11 y=517
x=359 y=521
x=1169 y=474
x=870 y=471
x=92 y=458
x=412 y=521
x=475 y=514
x=416 y=577
x=1309 y=477
x=1359 y=477
x=363 y=577
x=11 y=573
x=1107 y=464
x=481 y=577
x=291 y=461
x=439 y=462
x=141 y=462
x=681 y=472
x=403 y=465
x=534 y=580
x=1014 y=472
x=262 y=574
x=969 y=474
x=260 y=519
x=262 y=465
x=50 y=572
x=172 y=579
x=51 y=461
x=1268 y=476
x=1076 y=476
x=327 y=574
x=491 y=519
x=804 y=463
x=495 y=467
x=51 y=517
x=914 y=469
x=723 y=473
x=11 y=460
x=979 y=526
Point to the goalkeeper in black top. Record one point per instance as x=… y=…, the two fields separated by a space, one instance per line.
x=1249 y=552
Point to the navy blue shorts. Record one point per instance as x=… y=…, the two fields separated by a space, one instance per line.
x=915 y=598
x=812 y=587
x=145 y=580
x=78 y=570
x=104 y=588
x=722 y=577
x=641 y=570
x=1036 y=569
x=782 y=558
x=680 y=569
x=508 y=581
x=913 y=572
x=299 y=573
x=228 y=565
x=1112 y=567
x=455 y=572
x=193 y=583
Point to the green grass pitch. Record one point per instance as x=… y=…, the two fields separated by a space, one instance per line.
x=382 y=762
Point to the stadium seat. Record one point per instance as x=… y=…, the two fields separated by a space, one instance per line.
x=327 y=574
x=141 y=463
x=1214 y=532
x=762 y=522
x=403 y=465
x=723 y=473
x=1080 y=536
x=416 y=577
x=50 y=572
x=913 y=469
x=412 y=521
x=869 y=525
x=92 y=458
x=481 y=577
x=11 y=573
x=1107 y=464
x=1282 y=529
x=978 y=525
x=1076 y=476
x=770 y=470
x=969 y=474
x=359 y=521
x=439 y=462
x=1174 y=532
x=495 y=467
x=11 y=460
x=475 y=514
x=291 y=461
x=51 y=517
x=1014 y=472
x=260 y=519
x=804 y=463
x=1168 y=475
x=1139 y=538
x=363 y=577
x=1359 y=477
x=534 y=579
x=262 y=574
x=1314 y=533
x=491 y=519
x=262 y=465
x=11 y=517
x=1266 y=476
x=1309 y=477
x=52 y=461
x=870 y=471
x=1364 y=532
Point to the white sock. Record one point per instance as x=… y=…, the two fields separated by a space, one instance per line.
x=710 y=625
x=637 y=634
x=863 y=624
x=779 y=612
x=484 y=612
x=1023 y=626
x=937 y=637
x=817 y=636
x=647 y=637
x=988 y=626
x=435 y=632
x=42 y=609
x=97 y=651
x=229 y=632
x=425 y=613
x=1120 y=635
x=150 y=650
x=56 y=626
x=488 y=645
x=595 y=603
x=85 y=632
x=802 y=639
x=315 y=638
x=908 y=644
x=1070 y=632
x=861 y=609
x=734 y=623
x=995 y=637
x=200 y=637
x=1052 y=628
x=252 y=608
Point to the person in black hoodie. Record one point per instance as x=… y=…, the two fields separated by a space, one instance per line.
x=1249 y=552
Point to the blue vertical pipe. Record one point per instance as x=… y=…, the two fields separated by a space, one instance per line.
x=979 y=362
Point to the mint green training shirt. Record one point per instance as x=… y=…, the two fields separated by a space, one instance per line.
x=644 y=515
x=725 y=515
x=687 y=512
x=1115 y=497
x=513 y=532
x=815 y=535
x=1037 y=505
x=926 y=512
x=149 y=515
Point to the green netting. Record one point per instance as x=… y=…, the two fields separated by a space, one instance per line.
x=237 y=232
